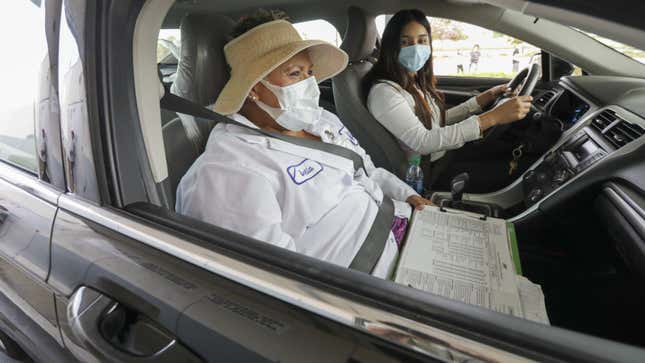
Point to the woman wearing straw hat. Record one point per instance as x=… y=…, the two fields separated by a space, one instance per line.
x=303 y=199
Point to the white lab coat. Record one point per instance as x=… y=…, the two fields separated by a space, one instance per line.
x=302 y=199
x=393 y=107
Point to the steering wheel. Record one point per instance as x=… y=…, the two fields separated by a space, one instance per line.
x=526 y=79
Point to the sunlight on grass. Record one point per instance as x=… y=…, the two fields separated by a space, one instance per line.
x=485 y=74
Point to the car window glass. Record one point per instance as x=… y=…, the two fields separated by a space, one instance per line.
x=634 y=53
x=462 y=49
x=168 y=45
x=22 y=23
x=319 y=29
x=168 y=48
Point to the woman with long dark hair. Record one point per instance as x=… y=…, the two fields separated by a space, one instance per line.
x=403 y=96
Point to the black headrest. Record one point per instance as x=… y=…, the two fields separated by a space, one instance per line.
x=360 y=35
x=202 y=70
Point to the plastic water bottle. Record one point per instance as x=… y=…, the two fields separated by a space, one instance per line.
x=414 y=175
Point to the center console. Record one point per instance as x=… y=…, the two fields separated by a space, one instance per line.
x=558 y=166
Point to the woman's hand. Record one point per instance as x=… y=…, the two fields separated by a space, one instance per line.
x=487 y=97
x=514 y=109
x=418 y=202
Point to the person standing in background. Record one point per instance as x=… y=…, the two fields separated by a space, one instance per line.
x=474 y=58
x=516 y=60
x=460 y=62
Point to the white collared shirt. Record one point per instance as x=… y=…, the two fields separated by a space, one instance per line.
x=393 y=107
x=294 y=197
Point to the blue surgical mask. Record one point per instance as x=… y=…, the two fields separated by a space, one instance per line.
x=413 y=57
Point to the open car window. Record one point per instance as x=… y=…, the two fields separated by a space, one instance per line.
x=319 y=29
x=462 y=49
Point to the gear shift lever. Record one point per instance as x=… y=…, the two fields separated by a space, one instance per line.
x=457 y=186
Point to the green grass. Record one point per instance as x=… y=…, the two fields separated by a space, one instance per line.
x=485 y=74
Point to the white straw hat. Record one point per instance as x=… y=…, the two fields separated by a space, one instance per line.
x=262 y=49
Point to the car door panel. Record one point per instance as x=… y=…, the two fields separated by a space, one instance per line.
x=459 y=89
x=458 y=83
x=149 y=281
x=261 y=325
x=29 y=335
x=87 y=254
x=25 y=230
x=216 y=319
x=31 y=295
x=24 y=245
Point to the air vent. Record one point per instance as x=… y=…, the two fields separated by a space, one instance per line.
x=545 y=98
x=615 y=130
x=603 y=120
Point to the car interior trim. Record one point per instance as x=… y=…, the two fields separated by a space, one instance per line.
x=633 y=213
x=144 y=49
x=610 y=155
x=566 y=83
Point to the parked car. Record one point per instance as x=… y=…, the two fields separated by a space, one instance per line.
x=95 y=265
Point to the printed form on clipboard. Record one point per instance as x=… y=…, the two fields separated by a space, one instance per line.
x=461 y=256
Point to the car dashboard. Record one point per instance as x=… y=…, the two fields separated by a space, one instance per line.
x=599 y=162
x=596 y=126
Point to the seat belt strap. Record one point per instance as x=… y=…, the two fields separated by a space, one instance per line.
x=178 y=104
x=374 y=244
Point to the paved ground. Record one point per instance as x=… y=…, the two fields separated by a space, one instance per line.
x=487 y=64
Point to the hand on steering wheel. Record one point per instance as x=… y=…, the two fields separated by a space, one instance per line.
x=522 y=84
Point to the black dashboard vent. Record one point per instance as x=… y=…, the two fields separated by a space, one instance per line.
x=545 y=98
x=617 y=131
x=603 y=120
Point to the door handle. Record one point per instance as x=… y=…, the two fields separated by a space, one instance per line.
x=108 y=330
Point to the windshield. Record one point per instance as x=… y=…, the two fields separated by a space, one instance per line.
x=631 y=52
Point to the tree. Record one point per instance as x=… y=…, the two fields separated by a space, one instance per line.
x=446 y=29
x=510 y=40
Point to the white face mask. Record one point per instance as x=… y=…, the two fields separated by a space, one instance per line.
x=298 y=104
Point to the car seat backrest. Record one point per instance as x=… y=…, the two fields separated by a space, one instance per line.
x=360 y=36
x=201 y=75
x=202 y=71
x=350 y=97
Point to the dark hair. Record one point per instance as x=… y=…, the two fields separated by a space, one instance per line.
x=259 y=17
x=388 y=67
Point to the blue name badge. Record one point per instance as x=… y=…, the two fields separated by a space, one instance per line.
x=304 y=171
x=344 y=131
